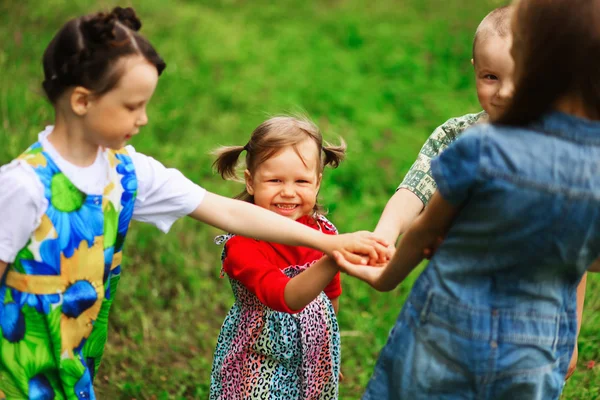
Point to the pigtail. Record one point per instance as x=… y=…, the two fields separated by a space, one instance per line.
x=334 y=155
x=227 y=161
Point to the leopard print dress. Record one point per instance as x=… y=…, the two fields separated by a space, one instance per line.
x=266 y=354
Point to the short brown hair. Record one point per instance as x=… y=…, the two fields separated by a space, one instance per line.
x=555 y=47
x=497 y=22
x=268 y=139
x=86 y=50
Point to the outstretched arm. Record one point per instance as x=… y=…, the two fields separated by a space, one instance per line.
x=433 y=223
x=248 y=220
x=400 y=211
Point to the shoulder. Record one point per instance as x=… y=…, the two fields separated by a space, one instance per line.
x=244 y=244
x=459 y=124
x=22 y=195
x=239 y=249
x=21 y=179
x=327 y=226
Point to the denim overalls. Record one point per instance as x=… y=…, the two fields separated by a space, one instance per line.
x=493 y=316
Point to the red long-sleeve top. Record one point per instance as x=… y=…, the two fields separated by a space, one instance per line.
x=258 y=265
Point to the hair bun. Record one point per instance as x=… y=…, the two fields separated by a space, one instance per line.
x=99 y=29
x=127 y=17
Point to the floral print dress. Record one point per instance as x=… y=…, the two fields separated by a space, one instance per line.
x=56 y=295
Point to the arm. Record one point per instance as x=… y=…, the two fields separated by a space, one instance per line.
x=580 y=301
x=595 y=267
x=336 y=305
x=400 y=211
x=21 y=209
x=416 y=188
x=422 y=234
x=254 y=264
x=2 y=269
x=164 y=195
x=305 y=287
x=248 y=220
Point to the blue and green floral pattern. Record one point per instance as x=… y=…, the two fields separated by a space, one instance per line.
x=56 y=295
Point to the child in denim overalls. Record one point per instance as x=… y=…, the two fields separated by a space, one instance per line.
x=493 y=316
x=493 y=68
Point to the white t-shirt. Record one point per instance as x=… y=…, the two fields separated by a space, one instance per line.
x=163 y=195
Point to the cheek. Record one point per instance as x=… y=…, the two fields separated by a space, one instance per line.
x=309 y=195
x=263 y=195
x=485 y=91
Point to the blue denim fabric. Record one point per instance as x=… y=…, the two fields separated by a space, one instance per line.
x=493 y=316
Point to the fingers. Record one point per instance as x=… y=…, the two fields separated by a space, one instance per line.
x=382 y=252
x=347 y=265
x=352 y=257
x=376 y=248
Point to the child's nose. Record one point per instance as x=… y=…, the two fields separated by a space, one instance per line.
x=142 y=119
x=288 y=191
x=507 y=89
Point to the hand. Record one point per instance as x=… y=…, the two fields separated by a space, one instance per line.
x=430 y=251
x=366 y=273
x=573 y=363
x=351 y=246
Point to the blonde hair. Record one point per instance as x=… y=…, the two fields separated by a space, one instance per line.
x=497 y=22
x=269 y=138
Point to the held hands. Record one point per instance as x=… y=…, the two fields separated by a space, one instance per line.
x=358 y=248
x=370 y=274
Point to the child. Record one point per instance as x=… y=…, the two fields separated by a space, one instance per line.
x=493 y=66
x=66 y=204
x=493 y=315
x=281 y=339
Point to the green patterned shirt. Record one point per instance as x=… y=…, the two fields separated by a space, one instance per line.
x=419 y=179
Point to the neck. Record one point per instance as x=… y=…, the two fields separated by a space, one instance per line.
x=68 y=139
x=573 y=105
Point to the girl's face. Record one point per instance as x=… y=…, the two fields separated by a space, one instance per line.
x=284 y=183
x=116 y=116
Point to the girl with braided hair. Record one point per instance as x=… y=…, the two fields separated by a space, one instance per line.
x=68 y=200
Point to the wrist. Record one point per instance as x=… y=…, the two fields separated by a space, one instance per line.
x=327 y=244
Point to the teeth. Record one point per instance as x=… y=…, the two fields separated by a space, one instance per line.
x=286 y=206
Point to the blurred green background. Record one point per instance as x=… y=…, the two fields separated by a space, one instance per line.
x=382 y=75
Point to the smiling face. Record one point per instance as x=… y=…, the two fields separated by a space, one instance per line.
x=494 y=74
x=111 y=119
x=288 y=182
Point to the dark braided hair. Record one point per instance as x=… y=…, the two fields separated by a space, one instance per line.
x=86 y=50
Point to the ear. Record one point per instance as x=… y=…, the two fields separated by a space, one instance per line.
x=80 y=100
x=249 y=182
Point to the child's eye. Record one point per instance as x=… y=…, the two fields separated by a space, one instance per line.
x=131 y=107
x=302 y=181
x=274 y=180
x=491 y=77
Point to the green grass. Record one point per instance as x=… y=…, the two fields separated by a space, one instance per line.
x=382 y=75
